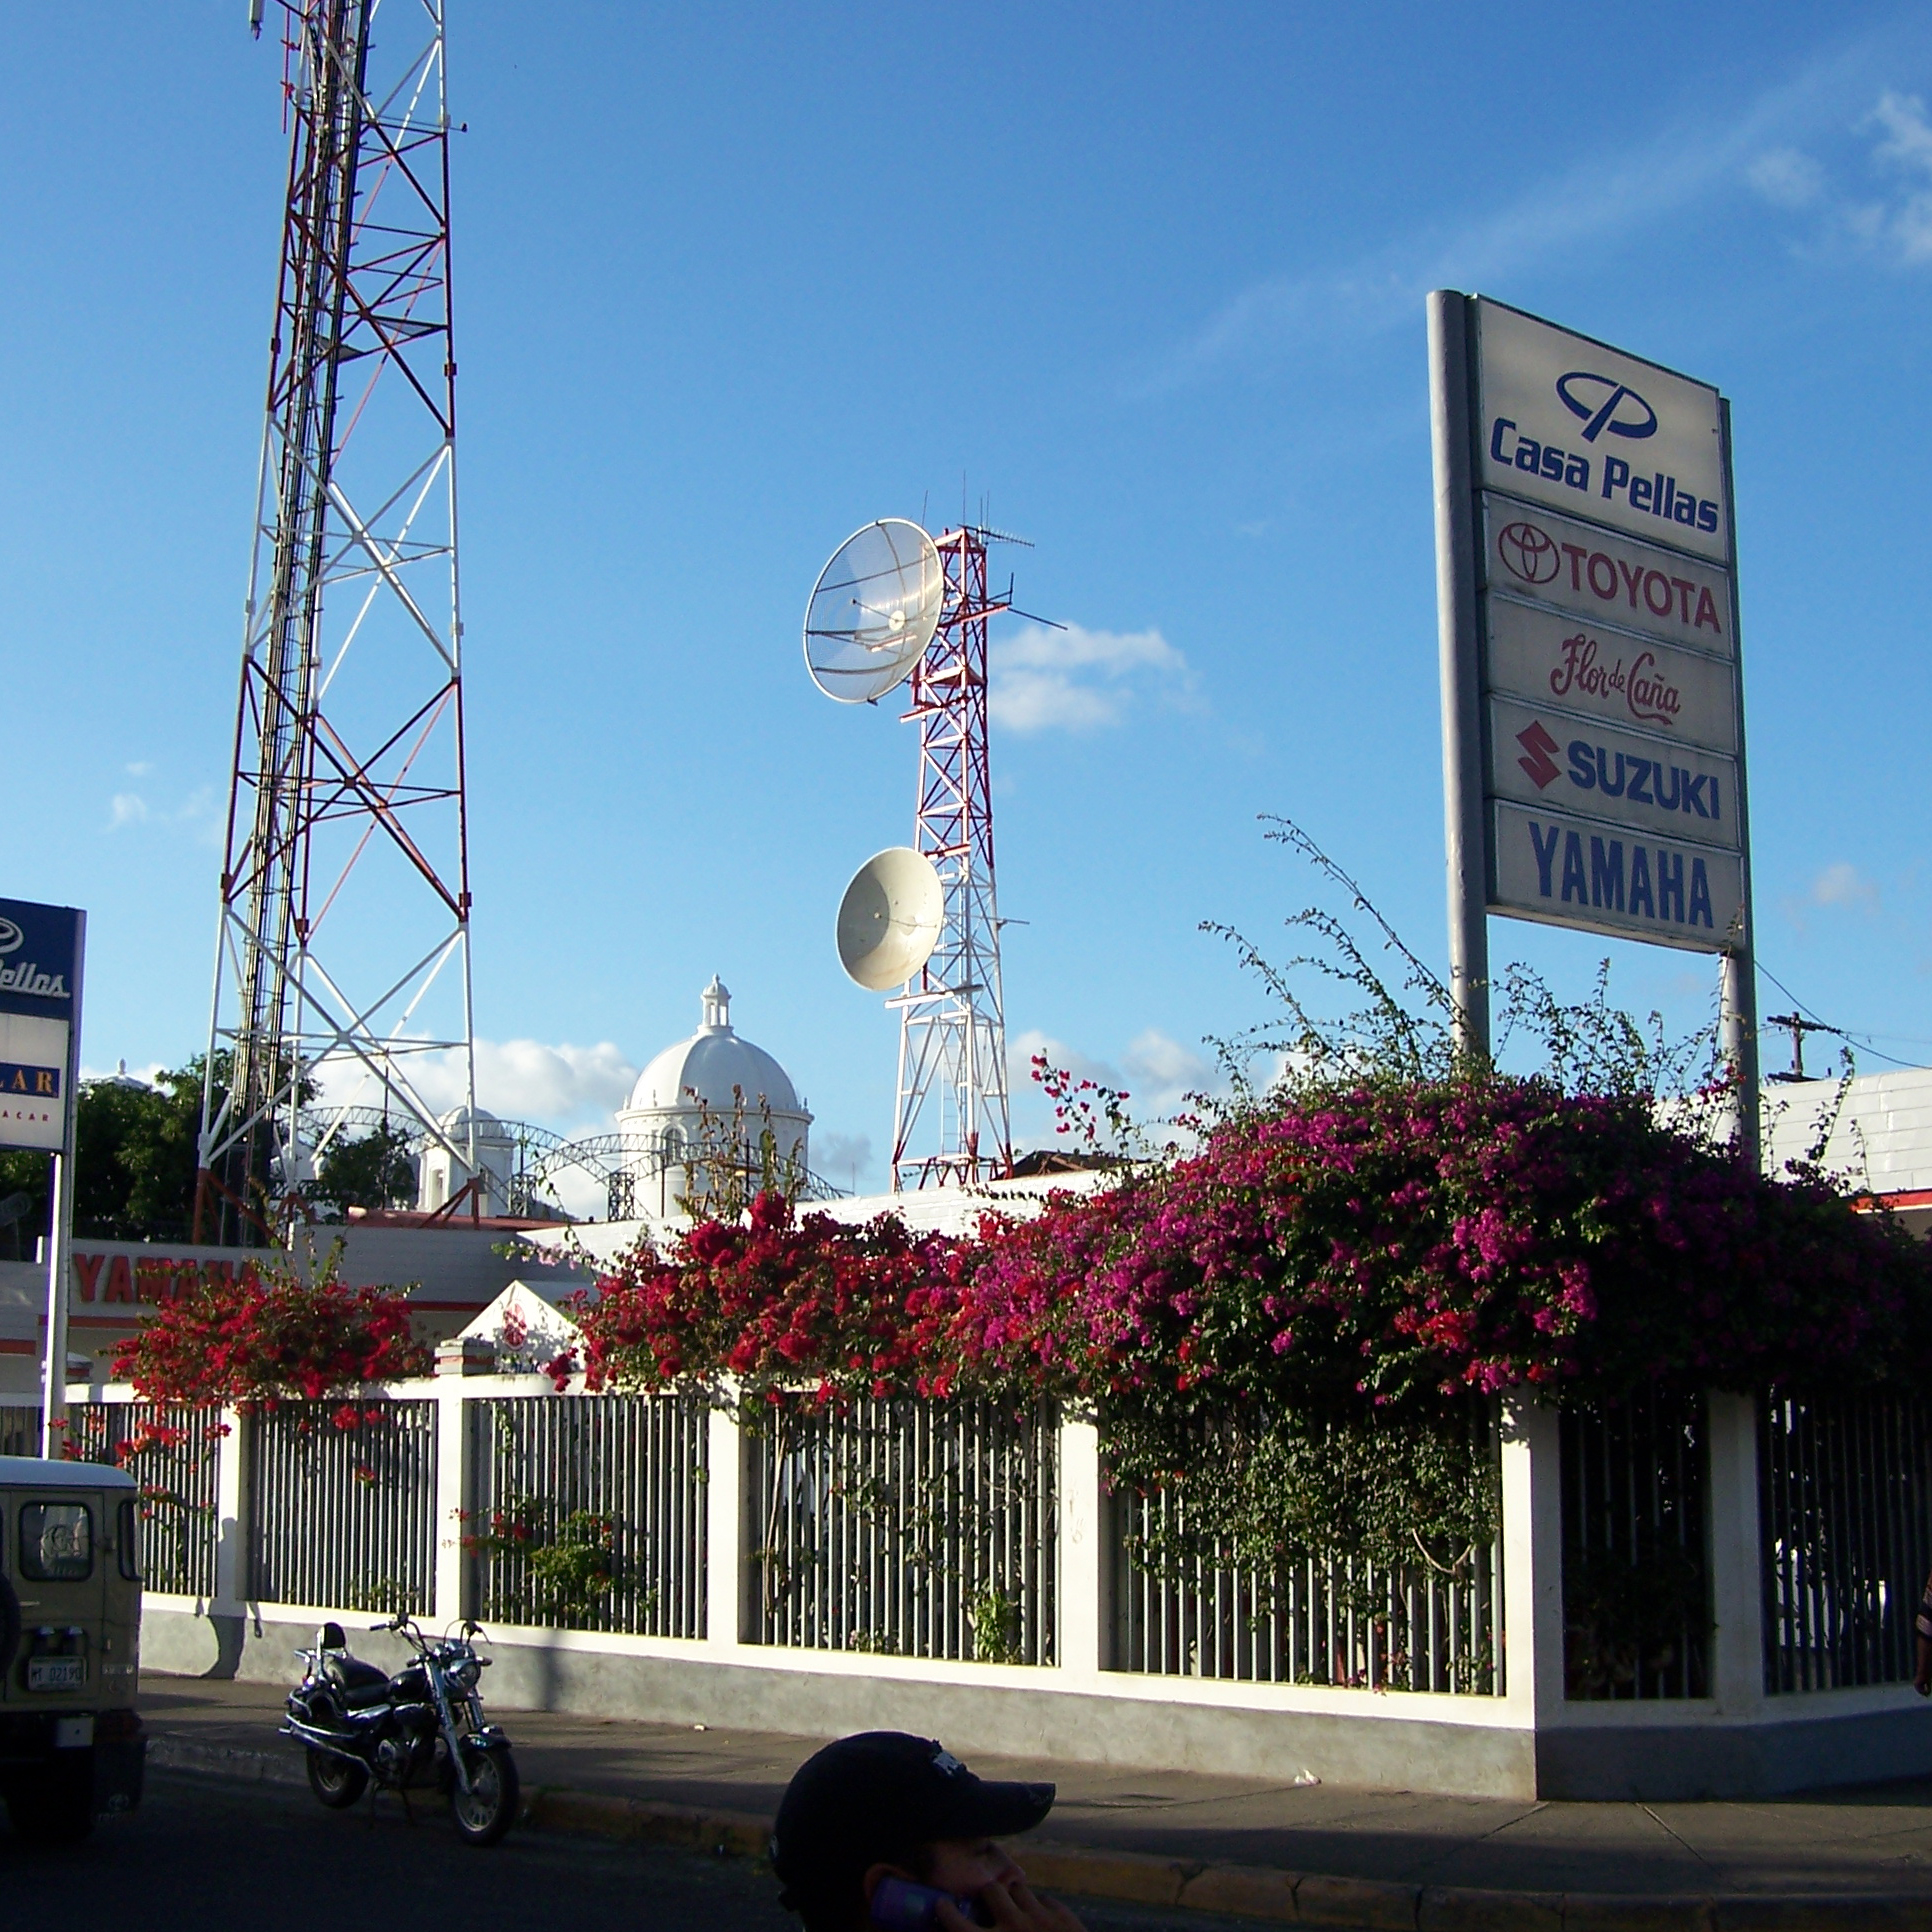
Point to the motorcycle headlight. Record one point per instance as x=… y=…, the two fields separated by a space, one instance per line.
x=465 y=1673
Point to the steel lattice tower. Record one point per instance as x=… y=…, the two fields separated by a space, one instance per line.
x=342 y=953
x=952 y=1021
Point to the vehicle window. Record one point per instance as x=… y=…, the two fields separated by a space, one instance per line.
x=128 y=1537
x=56 y=1541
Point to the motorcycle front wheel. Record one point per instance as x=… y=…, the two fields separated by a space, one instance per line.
x=337 y=1782
x=489 y=1808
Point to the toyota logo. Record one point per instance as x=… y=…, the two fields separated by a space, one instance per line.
x=1527 y=552
x=1602 y=404
x=11 y=937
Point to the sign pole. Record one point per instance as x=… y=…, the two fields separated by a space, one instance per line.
x=60 y=1239
x=1460 y=653
x=1737 y=1002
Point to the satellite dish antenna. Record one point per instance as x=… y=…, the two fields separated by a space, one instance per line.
x=873 y=611
x=890 y=918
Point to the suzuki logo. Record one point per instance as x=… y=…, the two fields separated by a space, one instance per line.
x=1603 y=404
x=11 y=937
x=1539 y=764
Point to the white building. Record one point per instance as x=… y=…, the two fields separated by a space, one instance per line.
x=443 y=1174
x=1877 y=1136
x=711 y=1096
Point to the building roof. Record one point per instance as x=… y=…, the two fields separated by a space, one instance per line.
x=1880 y=1133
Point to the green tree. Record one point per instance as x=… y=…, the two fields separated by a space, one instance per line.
x=375 y=1170
x=135 y=1177
x=23 y=1171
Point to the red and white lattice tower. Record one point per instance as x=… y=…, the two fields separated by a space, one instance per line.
x=343 y=959
x=952 y=1025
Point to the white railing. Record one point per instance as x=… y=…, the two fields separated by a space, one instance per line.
x=946 y=1568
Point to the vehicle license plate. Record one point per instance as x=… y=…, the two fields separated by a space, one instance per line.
x=56 y=1673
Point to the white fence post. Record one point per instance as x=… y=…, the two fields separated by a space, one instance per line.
x=231 y=1515
x=1081 y=1645
x=1737 y=1595
x=1533 y=1560
x=454 y=1491
x=726 y=1534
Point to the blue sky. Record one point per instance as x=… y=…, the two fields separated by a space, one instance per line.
x=1148 y=280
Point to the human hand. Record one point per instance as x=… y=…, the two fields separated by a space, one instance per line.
x=1012 y=1908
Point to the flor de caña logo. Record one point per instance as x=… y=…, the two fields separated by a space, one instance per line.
x=1586 y=668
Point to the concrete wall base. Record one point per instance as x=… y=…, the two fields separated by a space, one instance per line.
x=1000 y=1719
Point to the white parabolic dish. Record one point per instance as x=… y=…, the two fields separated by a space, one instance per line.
x=873 y=611
x=890 y=918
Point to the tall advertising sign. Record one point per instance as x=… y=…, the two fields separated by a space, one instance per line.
x=1593 y=724
x=41 y=955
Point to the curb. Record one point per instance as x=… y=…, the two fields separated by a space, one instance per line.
x=1142 y=1878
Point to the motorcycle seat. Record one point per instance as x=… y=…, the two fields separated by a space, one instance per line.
x=358 y=1682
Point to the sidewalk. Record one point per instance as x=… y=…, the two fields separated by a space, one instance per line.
x=1163 y=1838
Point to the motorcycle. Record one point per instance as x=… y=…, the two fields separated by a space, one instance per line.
x=423 y=1725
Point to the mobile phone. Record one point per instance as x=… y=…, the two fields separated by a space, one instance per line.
x=902 y=1906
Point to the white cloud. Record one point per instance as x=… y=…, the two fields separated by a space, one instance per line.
x=140 y=769
x=1637 y=182
x=1786 y=178
x=131 y=808
x=561 y=1087
x=1906 y=150
x=1022 y=1049
x=1079 y=680
x=1844 y=885
x=843 y=1159
x=1156 y=1072
x=1165 y=1072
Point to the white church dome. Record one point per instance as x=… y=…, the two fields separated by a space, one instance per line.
x=712 y=1062
x=456 y=1124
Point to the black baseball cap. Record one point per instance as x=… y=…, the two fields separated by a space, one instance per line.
x=872 y=1798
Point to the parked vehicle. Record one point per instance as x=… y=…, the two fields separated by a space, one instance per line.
x=71 y=1741
x=422 y=1726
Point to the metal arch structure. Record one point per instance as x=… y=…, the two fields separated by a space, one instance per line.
x=952 y=1093
x=343 y=945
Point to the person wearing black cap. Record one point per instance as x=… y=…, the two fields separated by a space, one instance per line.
x=884 y=1807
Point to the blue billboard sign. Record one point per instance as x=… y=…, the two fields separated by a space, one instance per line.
x=40 y=969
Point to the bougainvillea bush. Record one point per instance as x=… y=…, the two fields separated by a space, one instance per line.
x=1323 y=1288
x=770 y=1304
x=266 y=1335
x=1303 y=1320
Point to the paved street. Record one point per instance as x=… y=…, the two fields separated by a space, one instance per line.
x=1877 y=1839
x=203 y=1852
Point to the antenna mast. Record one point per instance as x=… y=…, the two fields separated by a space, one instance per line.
x=952 y=1018
x=342 y=951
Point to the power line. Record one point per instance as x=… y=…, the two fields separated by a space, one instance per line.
x=1811 y=1023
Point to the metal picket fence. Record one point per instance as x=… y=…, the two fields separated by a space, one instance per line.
x=1184 y=1611
x=1636 y=1574
x=913 y=1529
x=19 y=1428
x=1845 y=1508
x=343 y=1516
x=169 y=1449
x=589 y=1512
